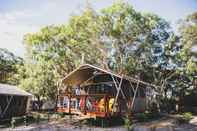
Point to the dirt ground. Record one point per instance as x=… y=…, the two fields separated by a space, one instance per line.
x=68 y=124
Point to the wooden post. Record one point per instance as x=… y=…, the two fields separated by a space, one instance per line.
x=106 y=104
x=57 y=96
x=85 y=109
x=108 y=98
x=69 y=97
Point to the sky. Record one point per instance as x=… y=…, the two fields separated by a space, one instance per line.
x=19 y=17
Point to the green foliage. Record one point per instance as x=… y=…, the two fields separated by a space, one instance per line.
x=184 y=57
x=128 y=124
x=62 y=114
x=142 y=117
x=39 y=79
x=27 y=119
x=118 y=38
x=132 y=37
x=38 y=117
x=105 y=38
x=16 y=121
x=13 y=122
x=185 y=118
x=188 y=55
x=146 y=116
x=8 y=66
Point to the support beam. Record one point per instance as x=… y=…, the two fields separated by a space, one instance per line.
x=118 y=88
x=1 y=111
x=87 y=80
x=117 y=85
x=132 y=86
x=135 y=93
x=142 y=82
x=6 y=108
x=69 y=108
x=122 y=91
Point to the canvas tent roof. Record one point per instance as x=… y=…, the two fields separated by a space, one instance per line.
x=6 y=89
x=86 y=71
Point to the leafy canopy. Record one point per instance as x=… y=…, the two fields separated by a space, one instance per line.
x=117 y=38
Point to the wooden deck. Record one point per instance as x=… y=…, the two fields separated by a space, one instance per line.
x=94 y=112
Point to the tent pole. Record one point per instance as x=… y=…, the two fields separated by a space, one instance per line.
x=118 y=88
x=135 y=93
x=87 y=80
x=122 y=91
x=1 y=111
x=116 y=85
x=132 y=86
x=6 y=108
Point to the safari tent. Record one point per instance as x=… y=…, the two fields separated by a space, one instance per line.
x=13 y=101
x=93 y=91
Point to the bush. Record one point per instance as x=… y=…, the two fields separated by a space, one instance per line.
x=128 y=124
x=62 y=114
x=38 y=118
x=13 y=122
x=104 y=122
x=185 y=118
x=146 y=116
x=16 y=121
x=142 y=117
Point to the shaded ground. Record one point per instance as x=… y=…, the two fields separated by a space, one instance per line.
x=66 y=124
x=74 y=124
x=171 y=123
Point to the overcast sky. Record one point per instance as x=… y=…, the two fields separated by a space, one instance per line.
x=18 y=17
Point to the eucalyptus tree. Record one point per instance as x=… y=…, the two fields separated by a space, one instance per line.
x=8 y=66
x=118 y=38
x=188 y=53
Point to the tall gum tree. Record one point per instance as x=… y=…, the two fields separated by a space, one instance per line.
x=118 y=38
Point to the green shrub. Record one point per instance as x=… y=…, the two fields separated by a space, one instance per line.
x=128 y=124
x=13 y=122
x=62 y=114
x=184 y=118
x=25 y=120
x=142 y=117
x=146 y=116
x=38 y=118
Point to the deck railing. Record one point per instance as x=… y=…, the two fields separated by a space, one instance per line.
x=90 y=104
